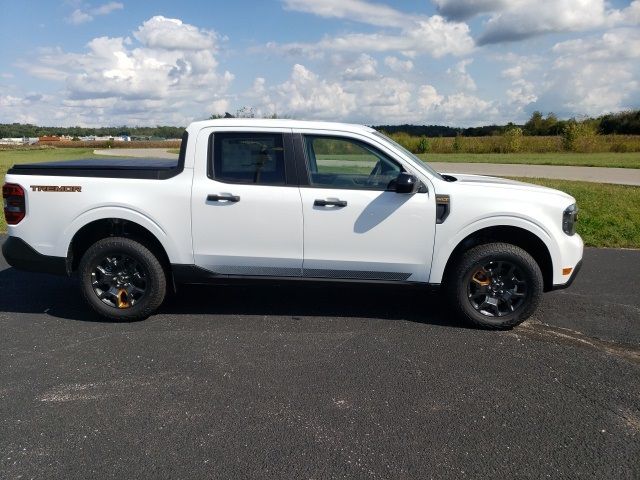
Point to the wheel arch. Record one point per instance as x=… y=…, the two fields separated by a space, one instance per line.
x=524 y=238
x=96 y=230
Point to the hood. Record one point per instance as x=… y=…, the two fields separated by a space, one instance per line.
x=480 y=180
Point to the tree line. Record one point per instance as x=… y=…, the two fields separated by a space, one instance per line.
x=621 y=123
x=15 y=130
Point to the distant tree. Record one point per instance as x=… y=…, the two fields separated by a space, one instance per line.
x=512 y=139
x=457 y=143
x=246 y=112
x=623 y=123
x=579 y=136
x=423 y=145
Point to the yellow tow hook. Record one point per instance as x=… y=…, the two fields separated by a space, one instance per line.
x=123 y=301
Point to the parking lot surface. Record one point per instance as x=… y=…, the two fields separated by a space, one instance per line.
x=321 y=382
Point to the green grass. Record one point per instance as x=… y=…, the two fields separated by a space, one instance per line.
x=11 y=157
x=619 y=160
x=609 y=214
x=8 y=158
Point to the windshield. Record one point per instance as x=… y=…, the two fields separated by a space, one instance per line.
x=404 y=150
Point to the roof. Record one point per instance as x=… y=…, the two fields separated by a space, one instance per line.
x=280 y=123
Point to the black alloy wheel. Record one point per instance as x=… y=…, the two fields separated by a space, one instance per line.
x=494 y=285
x=122 y=279
x=497 y=288
x=119 y=281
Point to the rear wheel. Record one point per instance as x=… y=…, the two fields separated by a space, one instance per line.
x=121 y=279
x=495 y=285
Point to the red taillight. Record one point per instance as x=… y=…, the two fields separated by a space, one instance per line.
x=14 y=206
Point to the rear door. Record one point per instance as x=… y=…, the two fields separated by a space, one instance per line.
x=354 y=227
x=246 y=207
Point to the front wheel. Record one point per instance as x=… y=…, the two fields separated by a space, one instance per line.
x=495 y=285
x=121 y=279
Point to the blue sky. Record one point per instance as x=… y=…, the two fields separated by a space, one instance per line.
x=454 y=62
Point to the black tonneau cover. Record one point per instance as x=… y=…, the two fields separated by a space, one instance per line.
x=142 y=168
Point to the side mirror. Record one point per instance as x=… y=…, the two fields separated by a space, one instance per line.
x=406 y=183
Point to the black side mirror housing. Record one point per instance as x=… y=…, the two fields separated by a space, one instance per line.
x=406 y=183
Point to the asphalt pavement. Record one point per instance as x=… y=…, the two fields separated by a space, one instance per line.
x=620 y=176
x=321 y=382
x=136 y=152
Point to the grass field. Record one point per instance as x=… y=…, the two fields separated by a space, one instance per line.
x=609 y=215
x=619 y=160
x=11 y=157
x=522 y=144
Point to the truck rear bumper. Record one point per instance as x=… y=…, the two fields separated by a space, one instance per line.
x=19 y=254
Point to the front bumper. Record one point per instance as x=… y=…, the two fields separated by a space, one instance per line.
x=573 y=276
x=19 y=254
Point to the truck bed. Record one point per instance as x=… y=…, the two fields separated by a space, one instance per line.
x=142 y=168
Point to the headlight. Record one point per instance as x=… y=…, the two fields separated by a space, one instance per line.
x=569 y=219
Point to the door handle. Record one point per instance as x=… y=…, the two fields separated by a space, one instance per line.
x=329 y=203
x=223 y=198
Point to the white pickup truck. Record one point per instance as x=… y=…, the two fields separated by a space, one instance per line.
x=280 y=200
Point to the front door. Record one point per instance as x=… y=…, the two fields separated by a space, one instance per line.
x=354 y=227
x=246 y=208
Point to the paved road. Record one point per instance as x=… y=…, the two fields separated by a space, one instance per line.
x=137 y=152
x=622 y=176
x=334 y=382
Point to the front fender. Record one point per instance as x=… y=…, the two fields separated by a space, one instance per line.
x=446 y=244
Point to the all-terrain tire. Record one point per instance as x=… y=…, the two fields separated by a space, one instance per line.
x=458 y=279
x=155 y=278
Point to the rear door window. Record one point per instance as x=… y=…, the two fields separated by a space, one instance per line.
x=249 y=158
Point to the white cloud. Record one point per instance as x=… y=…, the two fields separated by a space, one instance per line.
x=631 y=14
x=457 y=109
x=433 y=36
x=169 y=74
x=358 y=10
x=364 y=68
x=220 y=106
x=387 y=100
x=461 y=77
x=513 y=20
x=523 y=19
x=397 y=65
x=173 y=34
x=79 y=16
x=428 y=97
x=522 y=72
x=521 y=93
x=418 y=34
x=107 y=8
x=594 y=75
x=305 y=94
x=383 y=100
